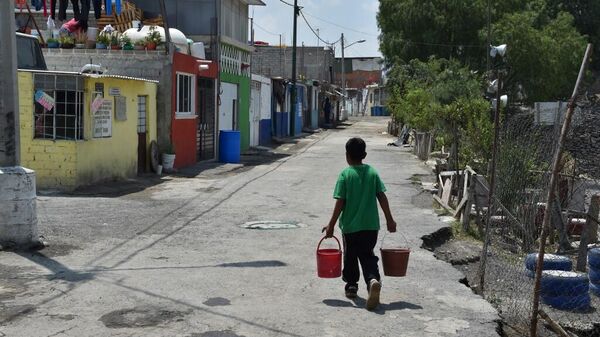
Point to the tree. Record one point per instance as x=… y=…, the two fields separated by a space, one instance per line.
x=543 y=56
x=586 y=14
x=418 y=29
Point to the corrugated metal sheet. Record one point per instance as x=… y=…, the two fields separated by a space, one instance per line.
x=72 y=73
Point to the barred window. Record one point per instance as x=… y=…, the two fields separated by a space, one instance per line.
x=141 y=114
x=62 y=120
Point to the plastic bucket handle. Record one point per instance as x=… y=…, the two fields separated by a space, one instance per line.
x=336 y=239
x=385 y=234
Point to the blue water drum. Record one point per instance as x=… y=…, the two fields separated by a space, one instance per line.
x=229 y=146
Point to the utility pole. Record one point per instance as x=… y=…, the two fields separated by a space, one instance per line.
x=18 y=218
x=489 y=35
x=318 y=51
x=343 y=78
x=293 y=93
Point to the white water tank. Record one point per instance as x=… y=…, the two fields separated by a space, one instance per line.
x=197 y=50
x=177 y=37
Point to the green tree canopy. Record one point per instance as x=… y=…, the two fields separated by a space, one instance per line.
x=543 y=56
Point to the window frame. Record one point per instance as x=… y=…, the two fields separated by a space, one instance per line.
x=192 y=92
x=49 y=84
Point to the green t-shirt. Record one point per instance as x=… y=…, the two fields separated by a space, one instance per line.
x=358 y=185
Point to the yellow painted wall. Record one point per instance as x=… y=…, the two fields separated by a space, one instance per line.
x=115 y=157
x=67 y=164
x=54 y=161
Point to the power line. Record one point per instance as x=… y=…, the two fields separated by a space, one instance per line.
x=314 y=32
x=338 y=25
x=265 y=30
x=287 y=3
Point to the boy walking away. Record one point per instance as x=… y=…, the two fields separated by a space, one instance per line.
x=357 y=191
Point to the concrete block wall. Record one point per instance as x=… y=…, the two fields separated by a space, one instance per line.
x=311 y=62
x=152 y=65
x=55 y=162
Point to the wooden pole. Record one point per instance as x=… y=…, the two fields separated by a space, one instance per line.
x=550 y=196
x=555 y=326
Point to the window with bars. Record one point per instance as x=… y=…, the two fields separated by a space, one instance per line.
x=62 y=120
x=186 y=87
x=141 y=125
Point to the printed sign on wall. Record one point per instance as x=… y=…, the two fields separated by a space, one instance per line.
x=102 y=120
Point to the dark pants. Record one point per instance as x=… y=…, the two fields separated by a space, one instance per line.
x=359 y=247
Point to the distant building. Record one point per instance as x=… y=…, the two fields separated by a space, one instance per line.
x=312 y=63
x=360 y=71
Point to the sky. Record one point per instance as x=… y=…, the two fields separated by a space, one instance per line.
x=355 y=18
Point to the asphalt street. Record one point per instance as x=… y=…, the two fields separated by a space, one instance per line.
x=174 y=259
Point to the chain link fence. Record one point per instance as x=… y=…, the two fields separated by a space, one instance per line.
x=570 y=284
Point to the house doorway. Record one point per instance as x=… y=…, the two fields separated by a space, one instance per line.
x=228 y=108
x=255 y=111
x=141 y=131
x=205 y=139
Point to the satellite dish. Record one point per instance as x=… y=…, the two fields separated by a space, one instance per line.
x=498 y=50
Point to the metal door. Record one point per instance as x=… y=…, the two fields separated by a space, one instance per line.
x=228 y=108
x=255 y=106
x=206 y=119
x=141 y=130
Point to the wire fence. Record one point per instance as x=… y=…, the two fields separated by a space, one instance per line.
x=570 y=283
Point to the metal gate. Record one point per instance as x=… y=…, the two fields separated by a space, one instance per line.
x=205 y=139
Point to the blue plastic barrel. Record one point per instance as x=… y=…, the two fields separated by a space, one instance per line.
x=229 y=146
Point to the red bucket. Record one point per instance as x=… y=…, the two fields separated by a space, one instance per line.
x=395 y=261
x=329 y=261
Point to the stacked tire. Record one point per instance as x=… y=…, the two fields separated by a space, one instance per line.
x=551 y=262
x=594 y=270
x=565 y=290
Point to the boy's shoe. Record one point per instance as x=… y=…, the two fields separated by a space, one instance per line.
x=351 y=291
x=374 y=290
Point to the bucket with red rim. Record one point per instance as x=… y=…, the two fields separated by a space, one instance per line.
x=329 y=260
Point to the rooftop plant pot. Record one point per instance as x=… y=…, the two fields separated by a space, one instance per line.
x=80 y=46
x=53 y=45
x=151 y=46
x=100 y=45
x=67 y=45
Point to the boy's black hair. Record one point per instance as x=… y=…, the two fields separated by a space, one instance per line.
x=356 y=148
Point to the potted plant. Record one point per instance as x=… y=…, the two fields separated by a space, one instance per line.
x=139 y=45
x=66 y=42
x=168 y=157
x=80 y=40
x=126 y=42
x=52 y=43
x=102 y=41
x=115 y=41
x=153 y=38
